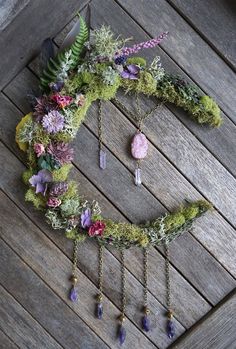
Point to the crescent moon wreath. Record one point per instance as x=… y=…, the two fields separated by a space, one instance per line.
x=88 y=68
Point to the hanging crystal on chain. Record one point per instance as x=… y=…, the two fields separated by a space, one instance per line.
x=99 y=305
x=73 y=294
x=170 y=327
x=102 y=153
x=139 y=150
x=145 y=319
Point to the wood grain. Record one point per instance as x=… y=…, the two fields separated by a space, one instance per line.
x=6 y=342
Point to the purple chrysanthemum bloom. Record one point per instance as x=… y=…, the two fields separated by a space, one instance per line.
x=130 y=72
x=62 y=152
x=58 y=188
x=53 y=122
x=40 y=181
x=86 y=219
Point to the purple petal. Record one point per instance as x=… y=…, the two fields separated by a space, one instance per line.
x=45 y=176
x=133 y=69
x=34 y=180
x=124 y=74
x=86 y=219
x=40 y=187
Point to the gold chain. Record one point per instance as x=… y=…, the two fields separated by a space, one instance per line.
x=123 y=285
x=145 y=276
x=100 y=272
x=168 y=286
x=100 y=135
x=75 y=257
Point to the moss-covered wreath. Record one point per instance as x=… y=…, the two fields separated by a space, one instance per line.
x=94 y=68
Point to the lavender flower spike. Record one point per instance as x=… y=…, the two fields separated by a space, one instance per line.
x=126 y=51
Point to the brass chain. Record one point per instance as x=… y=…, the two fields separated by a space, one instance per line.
x=168 y=285
x=100 y=270
x=123 y=284
x=100 y=134
x=145 y=276
x=75 y=257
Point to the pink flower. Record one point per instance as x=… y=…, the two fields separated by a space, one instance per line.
x=39 y=149
x=62 y=101
x=96 y=229
x=53 y=202
x=80 y=99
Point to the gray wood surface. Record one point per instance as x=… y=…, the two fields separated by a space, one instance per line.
x=185 y=161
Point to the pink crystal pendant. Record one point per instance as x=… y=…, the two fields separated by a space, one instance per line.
x=139 y=150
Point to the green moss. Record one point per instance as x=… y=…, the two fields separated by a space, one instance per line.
x=71 y=192
x=26 y=175
x=145 y=84
x=61 y=174
x=61 y=136
x=98 y=90
x=212 y=109
x=140 y=61
x=41 y=136
x=87 y=77
x=38 y=200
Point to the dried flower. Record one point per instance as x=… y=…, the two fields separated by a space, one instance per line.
x=61 y=151
x=39 y=149
x=72 y=222
x=130 y=72
x=58 y=188
x=44 y=106
x=53 y=122
x=86 y=219
x=40 y=181
x=53 y=202
x=126 y=51
x=80 y=99
x=62 y=101
x=96 y=229
x=56 y=86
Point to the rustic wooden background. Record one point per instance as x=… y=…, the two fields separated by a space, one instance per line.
x=186 y=161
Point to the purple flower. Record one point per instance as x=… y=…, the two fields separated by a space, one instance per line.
x=58 y=188
x=56 y=86
x=40 y=181
x=53 y=202
x=53 y=122
x=130 y=72
x=86 y=221
x=61 y=152
x=44 y=106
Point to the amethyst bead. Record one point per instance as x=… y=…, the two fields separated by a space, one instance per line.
x=99 y=310
x=146 y=323
x=122 y=334
x=73 y=295
x=170 y=329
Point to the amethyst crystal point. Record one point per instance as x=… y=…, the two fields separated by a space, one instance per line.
x=73 y=295
x=99 y=310
x=137 y=179
x=102 y=159
x=146 y=323
x=170 y=329
x=122 y=334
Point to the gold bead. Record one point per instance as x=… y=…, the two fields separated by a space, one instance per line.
x=146 y=310
x=122 y=317
x=99 y=297
x=170 y=314
x=74 y=279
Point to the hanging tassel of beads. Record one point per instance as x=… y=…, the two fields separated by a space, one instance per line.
x=99 y=305
x=73 y=294
x=145 y=319
x=122 y=330
x=170 y=328
x=102 y=153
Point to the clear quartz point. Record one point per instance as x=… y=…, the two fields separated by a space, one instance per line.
x=138 y=180
x=102 y=159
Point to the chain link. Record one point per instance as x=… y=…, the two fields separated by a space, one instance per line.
x=167 y=269
x=100 y=270
x=100 y=134
x=75 y=257
x=123 y=283
x=145 y=276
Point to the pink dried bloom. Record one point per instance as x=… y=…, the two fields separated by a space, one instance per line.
x=53 y=202
x=61 y=152
x=62 y=101
x=126 y=51
x=58 y=188
x=39 y=149
x=96 y=229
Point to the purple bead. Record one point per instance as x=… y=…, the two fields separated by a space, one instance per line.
x=99 y=310
x=146 y=323
x=73 y=295
x=170 y=329
x=122 y=334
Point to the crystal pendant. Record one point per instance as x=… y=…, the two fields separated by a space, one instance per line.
x=102 y=159
x=73 y=295
x=170 y=329
x=137 y=179
x=99 y=310
x=122 y=334
x=139 y=146
x=146 y=323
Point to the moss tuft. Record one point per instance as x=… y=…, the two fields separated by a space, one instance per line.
x=26 y=175
x=61 y=174
x=38 y=200
x=141 y=62
x=71 y=192
x=146 y=84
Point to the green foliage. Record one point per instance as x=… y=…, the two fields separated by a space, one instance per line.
x=38 y=200
x=70 y=207
x=61 y=174
x=146 y=84
x=47 y=162
x=109 y=76
x=26 y=175
x=71 y=192
x=70 y=56
x=75 y=235
x=140 y=61
x=55 y=220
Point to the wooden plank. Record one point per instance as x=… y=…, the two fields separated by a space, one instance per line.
x=216 y=330
x=215 y=21
x=43 y=304
x=20 y=40
x=6 y=342
x=213 y=294
x=54 y=268
x=9 y=10
x=189 y=306
x=222 y=140
x=187 y=48
x=21 y=327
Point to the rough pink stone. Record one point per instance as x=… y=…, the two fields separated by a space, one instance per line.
x=139 y=146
